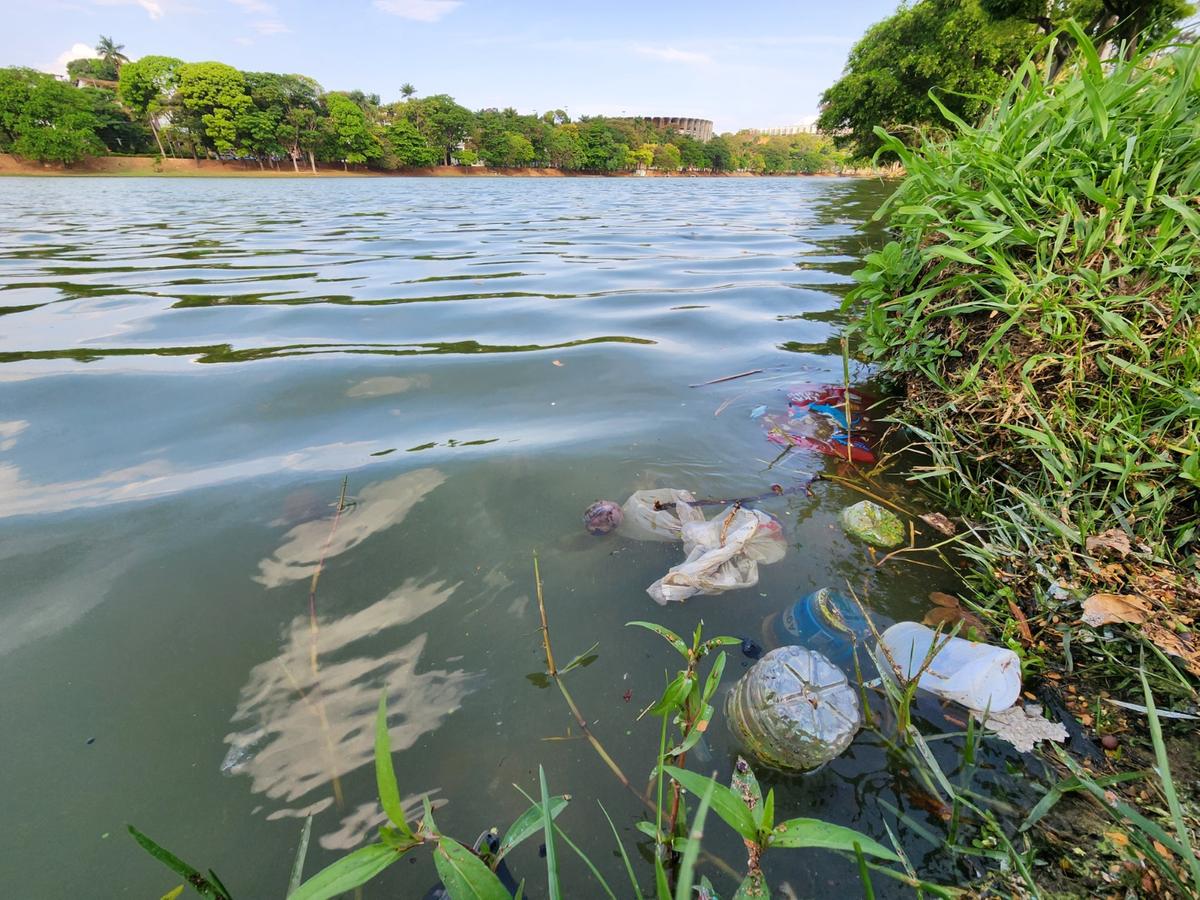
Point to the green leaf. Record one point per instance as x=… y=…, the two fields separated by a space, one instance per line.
x=586 y=658
x=465 y=875
x=665 y=633
x=745 y=784
x=647 y=828
x=753 y=887
x=347 y=873
x=728 y=805
x=697 y=732
x=714 y=677
x=815 y=833
x=301 y=853
x=529 y=823
x=673 y=695
x=174 y=893
x=385 y=774
x=552 y=888
x=202 y=884
x=768 y=814
x=687 y=868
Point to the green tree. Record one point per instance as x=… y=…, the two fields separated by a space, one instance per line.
x=443 y=122
x=111 y=52
x=667 y=158
x=720 y=154
x=353 y=138
x=409 y=145
x=1124 y=23
x=146 y=87
x=407 y=90
x=564 y=149
x=92 y=69
x=45 y=120
x=213 y=96
x=951 y=47
x=643 y=156
x=286 y=105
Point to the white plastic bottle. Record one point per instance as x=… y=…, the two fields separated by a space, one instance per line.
x=979 y=676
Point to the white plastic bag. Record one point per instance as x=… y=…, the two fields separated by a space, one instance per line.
x=723 y=553
x=643 y=522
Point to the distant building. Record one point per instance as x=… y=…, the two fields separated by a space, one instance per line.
x=810 y=128
x=700 y=129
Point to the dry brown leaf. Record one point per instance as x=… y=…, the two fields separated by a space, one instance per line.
x=1022 y=623
x=1118 y=838
x=949 y=616
x=1184 y=646
x=940 y=522
x=947 y=600
x=1103 y=609
x=1114 y=539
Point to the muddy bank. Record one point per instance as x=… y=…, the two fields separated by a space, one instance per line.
x=212 y=168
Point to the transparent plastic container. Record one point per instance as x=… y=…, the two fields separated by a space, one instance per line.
x=793 y=709
x=979 y=676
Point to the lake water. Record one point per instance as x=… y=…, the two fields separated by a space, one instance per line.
x=189 y=370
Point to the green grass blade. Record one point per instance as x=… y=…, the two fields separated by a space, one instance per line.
x=552 y=888
x=637 y=891
x=301 y=854
x=687 y=866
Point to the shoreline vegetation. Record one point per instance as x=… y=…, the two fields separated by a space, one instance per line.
x=168 y=167
x=1039 y=311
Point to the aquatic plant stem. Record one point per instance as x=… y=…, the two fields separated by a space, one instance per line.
x=314 y=632
x=552 y=671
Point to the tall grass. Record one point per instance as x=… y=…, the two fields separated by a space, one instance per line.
x=1041 y=302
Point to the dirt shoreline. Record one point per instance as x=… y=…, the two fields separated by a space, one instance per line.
x=150 y=166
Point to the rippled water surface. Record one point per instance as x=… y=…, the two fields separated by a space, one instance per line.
x=189 y=370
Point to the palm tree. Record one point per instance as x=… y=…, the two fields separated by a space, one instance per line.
x=110 y=51
x=407 y=90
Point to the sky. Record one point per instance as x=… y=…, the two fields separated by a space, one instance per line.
x=742 y=65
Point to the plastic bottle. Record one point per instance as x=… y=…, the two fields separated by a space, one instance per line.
x=979 y=676
x=825 y=620
x=793 y=709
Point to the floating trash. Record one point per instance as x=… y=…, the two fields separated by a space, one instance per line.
x=873 y=524
x=979 y=676
x=825 y=620
x=723 y=553
x=816 y=420
x=794 y=709
x=602 y=517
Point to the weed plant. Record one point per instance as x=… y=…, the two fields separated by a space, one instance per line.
x=1041 y=304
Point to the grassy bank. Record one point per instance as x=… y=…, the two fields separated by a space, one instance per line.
x=211 y=168
x=1040 y=307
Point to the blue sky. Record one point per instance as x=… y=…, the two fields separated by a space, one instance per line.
x=740 y=64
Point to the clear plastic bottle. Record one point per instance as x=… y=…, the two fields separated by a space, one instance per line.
x=793 y=709
x=979 y=676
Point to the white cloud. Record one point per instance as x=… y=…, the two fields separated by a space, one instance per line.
x=258 y=7
x=420 y=10
x=673 y=54
x=152 y=7
x=270 y=27
x=78 y=50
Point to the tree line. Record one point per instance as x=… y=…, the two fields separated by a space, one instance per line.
x=935 y=57
x=163 y=105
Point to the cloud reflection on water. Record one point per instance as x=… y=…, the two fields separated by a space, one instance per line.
x=377 y=506
x=301 y=729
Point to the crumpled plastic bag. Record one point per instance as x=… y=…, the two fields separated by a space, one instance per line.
x=723 y=553
x=644 y=522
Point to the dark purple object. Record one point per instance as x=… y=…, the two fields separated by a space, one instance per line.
x=602 y=517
